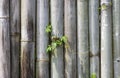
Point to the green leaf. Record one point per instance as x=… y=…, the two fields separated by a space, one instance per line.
x=93 y=75
x=64 y=39
x=54 y=45
x=49 y=48
x=48 y=29
x=59 y=42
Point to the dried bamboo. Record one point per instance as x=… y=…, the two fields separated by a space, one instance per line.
x=83 y=49
x=94 y=37
x=27 y=38
x=4 y=40
x=106 y=40
x=15 y=37
x=42 y=39
x=57 y=24
x=116 y=35
x=70 y=32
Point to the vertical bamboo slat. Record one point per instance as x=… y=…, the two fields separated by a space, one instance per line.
x=57 y=25
x=82 y=32
x=42 y=39
x=27 y=38
x=70 y=32
x=116 y=35
x=4 y=40
x=15 y=37
x=106 y=40
x=94 y=37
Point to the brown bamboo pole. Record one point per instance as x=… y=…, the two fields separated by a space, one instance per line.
x=4 y=39
x=42 y=39
x=116 y=37
x=94 y=38
x=106 y=40
x=15 y=37
x=27 y=38
x=57 y=65
x=82 y=33
x=70 y=32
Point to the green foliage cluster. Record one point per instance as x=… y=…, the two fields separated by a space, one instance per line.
x=55 y=41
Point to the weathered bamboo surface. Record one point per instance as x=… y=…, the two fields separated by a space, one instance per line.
x=42 y=39
x=70 y=28
x=57 y=64
x=82 y=33
x=15 y=37
x=106 y=40
x=116 y=35
x=92 y=28
x=27 y=38
x=94 y=37
x=4 y=39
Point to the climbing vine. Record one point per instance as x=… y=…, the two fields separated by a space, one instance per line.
x=54 y=40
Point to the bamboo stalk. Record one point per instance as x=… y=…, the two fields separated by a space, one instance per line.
x=4 y=39
x=116 y=35
x=15 y=37
x=42 y=39
x=70 y=32
x=94 y=37
x=27 y=38
x=82 y=31
x=106 y=40
x=57 y=24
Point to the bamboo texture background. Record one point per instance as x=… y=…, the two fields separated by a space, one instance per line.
x=91 y=26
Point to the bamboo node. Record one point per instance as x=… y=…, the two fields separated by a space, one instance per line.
x=42 y=60
x=26 y=41
x=4 y=17
x=91 y=54
x=84 y=53
x=15 y=34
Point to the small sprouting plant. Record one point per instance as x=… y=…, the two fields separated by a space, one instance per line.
x=55 y=41
x=105 y=6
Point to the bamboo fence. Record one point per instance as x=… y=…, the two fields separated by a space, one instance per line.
x=92 y=28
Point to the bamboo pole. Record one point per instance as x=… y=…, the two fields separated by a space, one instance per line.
x=94 y=37
x=116 y=35
x=15 y=37
x=106 y=40
x=82 y=31
x=42 y=39
x=27 y=38
x=4 y=39
x=57 y=24
x=70 y=32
